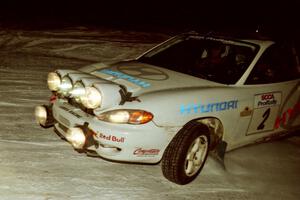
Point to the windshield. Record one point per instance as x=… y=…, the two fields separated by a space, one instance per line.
x=218 y=60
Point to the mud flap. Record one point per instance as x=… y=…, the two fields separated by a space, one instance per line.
x=218 y=153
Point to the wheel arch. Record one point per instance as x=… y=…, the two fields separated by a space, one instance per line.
x=215 y=128
x=178 y=161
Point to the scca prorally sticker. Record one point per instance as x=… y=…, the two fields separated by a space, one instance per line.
x=124 y=76
x=267 y=99
x=194 y=108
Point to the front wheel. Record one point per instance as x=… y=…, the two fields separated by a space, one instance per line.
x=185 y=156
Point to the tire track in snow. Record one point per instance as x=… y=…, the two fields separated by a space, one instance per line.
x=47 y=144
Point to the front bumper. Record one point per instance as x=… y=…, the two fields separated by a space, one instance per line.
x=121 y=142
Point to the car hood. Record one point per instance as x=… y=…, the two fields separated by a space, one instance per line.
x=139 y=78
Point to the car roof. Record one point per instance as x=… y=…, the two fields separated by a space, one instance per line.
x=250 y=38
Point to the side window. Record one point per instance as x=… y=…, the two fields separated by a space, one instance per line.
x=277 y=64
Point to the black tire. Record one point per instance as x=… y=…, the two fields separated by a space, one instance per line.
x=174 y=161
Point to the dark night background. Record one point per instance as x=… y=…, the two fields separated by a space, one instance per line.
x=37 y=37
x=275 y=17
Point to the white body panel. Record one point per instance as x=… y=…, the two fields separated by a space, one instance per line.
x=247 y=113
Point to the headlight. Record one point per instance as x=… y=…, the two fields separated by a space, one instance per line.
x=78 y=91
x=126 y=116
x=92 y=98
x=65 y=86
x=53 y=81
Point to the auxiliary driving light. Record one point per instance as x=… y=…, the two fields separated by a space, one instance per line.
x=41 y=115
x=76 y=137
x=78 y=91
x=53 y=81
x=65 y=86
x=92 y=98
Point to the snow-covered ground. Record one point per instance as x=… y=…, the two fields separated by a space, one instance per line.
x=36 y=164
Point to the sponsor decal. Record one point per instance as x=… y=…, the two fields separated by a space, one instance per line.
x=266 y=109
x=146 y=152
x=195 y=108
x=286 y=116
x=149 y=73
x=124 y=76
x=267 y=99
x=111 y=138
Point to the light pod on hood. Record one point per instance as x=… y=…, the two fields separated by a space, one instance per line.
x=110 y=93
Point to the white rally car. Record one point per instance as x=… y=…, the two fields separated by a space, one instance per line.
x=183 y=98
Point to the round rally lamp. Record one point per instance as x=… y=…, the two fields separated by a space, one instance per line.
x=76 y=137
x=53 y=81
x=65 y=86
x=40 y=113
x=78 y=91
x=92 y=98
